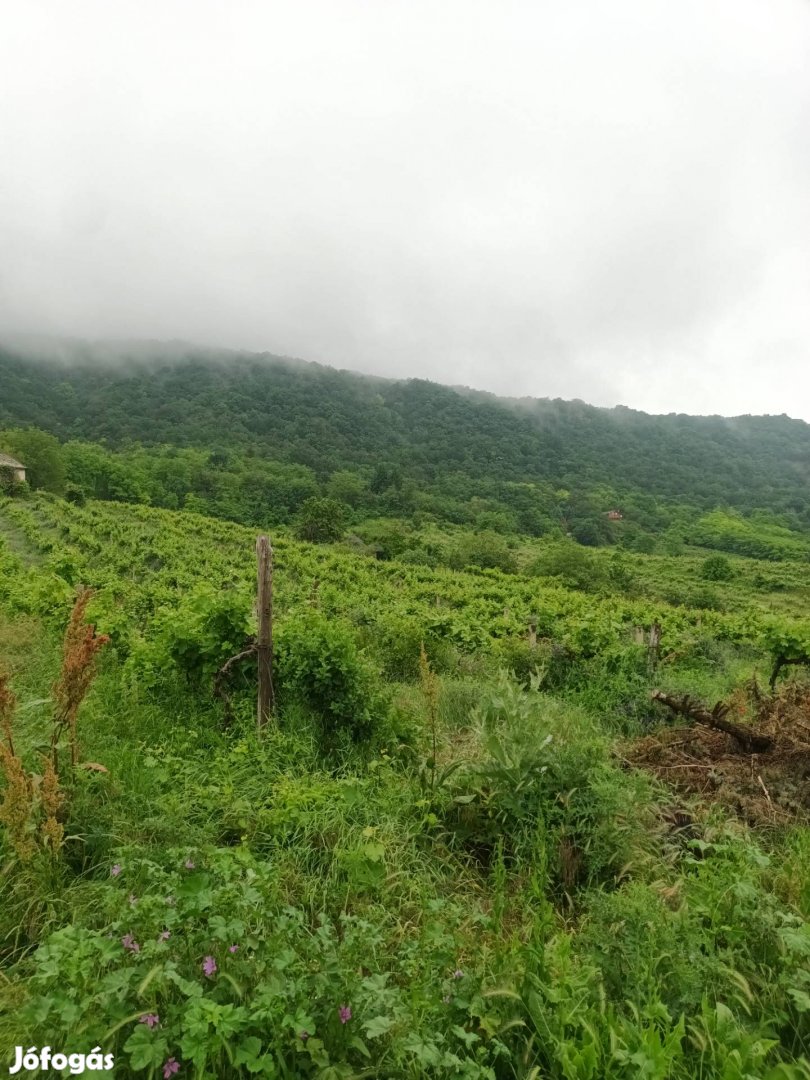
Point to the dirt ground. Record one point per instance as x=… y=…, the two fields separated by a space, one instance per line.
x=769 y=787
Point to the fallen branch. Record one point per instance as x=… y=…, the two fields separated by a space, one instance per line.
x=785 y=661
x=750 y=741
x=223 y=673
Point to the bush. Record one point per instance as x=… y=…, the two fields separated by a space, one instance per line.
x=194 y=638
x=318 y=664
x=484 y=551
x=321 y=521
x=396 y=643
x=548 y=778
x=717 y=568
x=575 y=567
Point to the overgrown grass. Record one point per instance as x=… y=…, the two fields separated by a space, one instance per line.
x=482 y=891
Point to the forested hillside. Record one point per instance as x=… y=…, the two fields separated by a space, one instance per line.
x=448 y=445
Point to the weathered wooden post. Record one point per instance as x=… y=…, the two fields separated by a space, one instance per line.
x=264 y=648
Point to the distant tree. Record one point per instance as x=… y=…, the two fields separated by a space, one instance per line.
x=385 y=477
x=321 y=521
x=588 y=532
x=389 y=538
x=41 y=454
x=486 y=550
x=346 y=486
x=717 y=568
x=575 y=567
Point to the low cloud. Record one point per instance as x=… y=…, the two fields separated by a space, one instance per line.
x=603 y=201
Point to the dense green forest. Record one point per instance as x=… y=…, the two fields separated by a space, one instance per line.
x=252 y=437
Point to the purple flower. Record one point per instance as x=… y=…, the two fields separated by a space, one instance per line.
x=457 y=974
x=165 y=935
x=115 y=870
x=209 y=966
x=233 y=948
x=303 y=1035
x=170 y=1068
x=345 y=1014
x=189 y=864
x=130 y=943
x=150 y=1019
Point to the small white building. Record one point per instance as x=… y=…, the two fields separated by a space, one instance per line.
x=11 y=465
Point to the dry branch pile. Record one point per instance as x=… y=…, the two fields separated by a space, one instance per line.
x=758 y=767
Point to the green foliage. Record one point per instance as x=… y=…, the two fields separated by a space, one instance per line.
x=479 y=877
x=193 y=638
x=550 y=773
x=717 y=568
x=319 y=665
x=574 y=567
x=285 y=432
x=234 y=982
x=484 y=550
x=41 y=454
x=321 y=521
x=758 y=538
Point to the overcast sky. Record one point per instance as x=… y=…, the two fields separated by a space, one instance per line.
x=605 y=200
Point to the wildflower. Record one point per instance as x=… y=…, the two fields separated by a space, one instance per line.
x=115 y=870
x=165 y=935
x=345 y=1014
x=446 y=999
x=189 y=864
x=130 y=943
x=233 y=948
x=133 y=899
x=458 y=974
x=303 y=1035
x=209 y=966
x=150 y=1019
x=170 y=1068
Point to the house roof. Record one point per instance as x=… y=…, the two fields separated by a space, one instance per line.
x=10 y=462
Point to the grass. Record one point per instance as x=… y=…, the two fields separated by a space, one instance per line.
x=483 y=884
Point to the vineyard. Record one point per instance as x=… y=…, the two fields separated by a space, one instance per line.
x=500 y=825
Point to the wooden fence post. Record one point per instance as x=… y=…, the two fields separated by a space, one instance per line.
x=264 y=609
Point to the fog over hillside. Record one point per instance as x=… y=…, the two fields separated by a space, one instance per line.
x=595 y=201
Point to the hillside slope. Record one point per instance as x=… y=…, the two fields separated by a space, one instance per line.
x=435 y=435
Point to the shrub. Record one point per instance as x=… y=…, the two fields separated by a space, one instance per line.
x=575 y=567
x=319 y=664
x=546 y=769
x=321 y=521
x=484 y=550
x=717 y=568
x=194 y=638
x=396 y=643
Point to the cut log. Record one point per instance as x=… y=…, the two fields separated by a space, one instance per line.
x=750 y=741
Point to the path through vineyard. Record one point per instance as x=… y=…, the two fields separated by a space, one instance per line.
x=17 y=542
